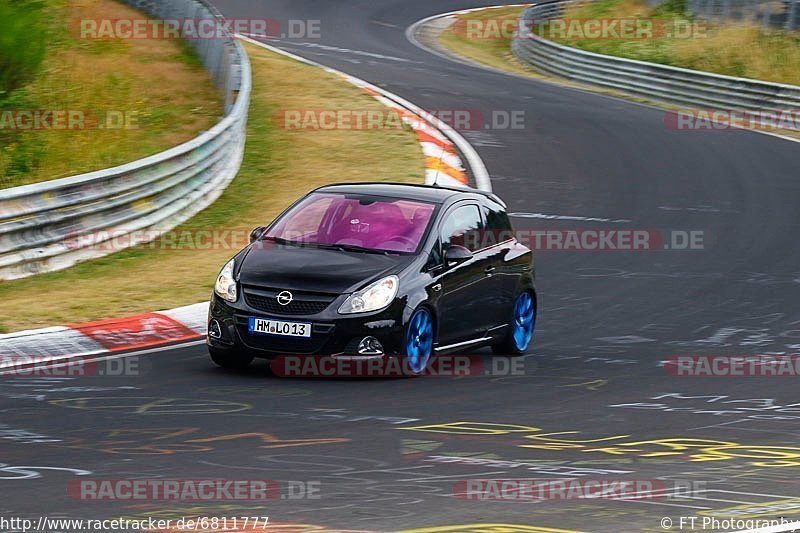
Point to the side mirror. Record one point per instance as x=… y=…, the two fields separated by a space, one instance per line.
x=257 y=233
x=457 y=254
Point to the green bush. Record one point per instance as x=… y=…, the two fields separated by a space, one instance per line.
x=22 y=43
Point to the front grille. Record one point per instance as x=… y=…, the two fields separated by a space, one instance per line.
x=271 y=305
x=303 y=303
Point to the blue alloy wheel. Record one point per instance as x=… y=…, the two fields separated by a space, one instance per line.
x=419 y=340
x=524 y=321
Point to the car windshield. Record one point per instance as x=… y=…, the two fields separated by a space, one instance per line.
x=356 y=222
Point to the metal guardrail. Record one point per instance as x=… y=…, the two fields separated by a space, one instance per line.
x=52 y=225
x=649 y=80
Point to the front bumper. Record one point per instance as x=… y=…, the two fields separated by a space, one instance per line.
x=332 y=334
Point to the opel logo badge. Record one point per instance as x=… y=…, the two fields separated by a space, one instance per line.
x=285 y=298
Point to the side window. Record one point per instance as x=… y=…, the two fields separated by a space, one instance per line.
x=498 y=226
x=462 y=227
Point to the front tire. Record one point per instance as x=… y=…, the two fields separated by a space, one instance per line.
x=520 y=330
x=230 y=360
x=418 y=342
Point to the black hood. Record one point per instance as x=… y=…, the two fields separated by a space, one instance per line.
x=313 y=269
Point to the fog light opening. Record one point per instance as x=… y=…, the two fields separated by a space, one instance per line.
x=370 y=346
x=215 y=329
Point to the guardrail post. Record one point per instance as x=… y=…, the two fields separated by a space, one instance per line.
x=791 y=19
x=712 y=10
x=725 y=10
x=766 y=18
x=751 y=11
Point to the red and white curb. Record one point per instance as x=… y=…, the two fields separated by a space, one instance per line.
x=50 y=345
x=441 y=146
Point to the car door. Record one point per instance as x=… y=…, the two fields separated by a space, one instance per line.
x=464 y=286
x=504 y=274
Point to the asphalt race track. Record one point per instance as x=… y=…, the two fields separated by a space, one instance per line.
x=594 y=401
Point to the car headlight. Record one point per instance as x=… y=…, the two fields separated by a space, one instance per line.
x=225 y=287
x=376 y=296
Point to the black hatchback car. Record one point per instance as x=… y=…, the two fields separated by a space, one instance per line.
x=377 y=270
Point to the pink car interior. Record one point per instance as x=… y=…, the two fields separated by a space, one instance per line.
x=391 y=225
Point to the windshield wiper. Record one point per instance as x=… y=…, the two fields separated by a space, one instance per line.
x=281 y=240
x=340 y=247
x=353 y=248
x=278 y=240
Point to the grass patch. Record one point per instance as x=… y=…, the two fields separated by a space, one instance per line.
x=159 y=85
x=279 y=166
x=22 y=43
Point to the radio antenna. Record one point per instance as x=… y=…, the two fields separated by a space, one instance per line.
x=438 y=168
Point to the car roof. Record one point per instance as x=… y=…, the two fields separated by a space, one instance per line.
x=429 y=193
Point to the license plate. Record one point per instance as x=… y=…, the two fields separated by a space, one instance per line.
x=266 y=326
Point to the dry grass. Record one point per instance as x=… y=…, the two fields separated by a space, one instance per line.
x=279 y=166
x=745 y=51
x=732 y=49
x=160 y=84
